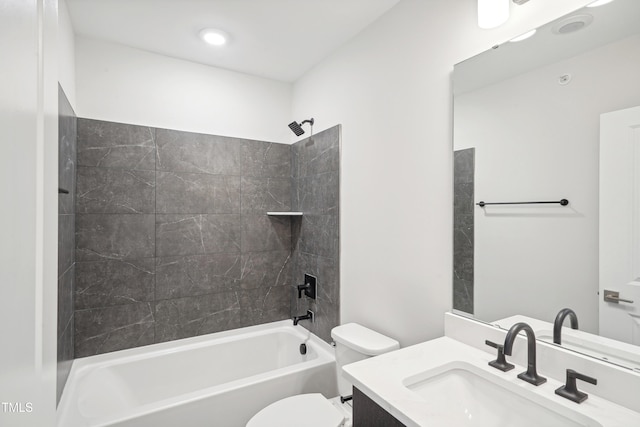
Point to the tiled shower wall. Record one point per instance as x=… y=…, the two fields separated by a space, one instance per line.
x=172 y=236
x=66 y=236
x=316 y=239
x=463 y=219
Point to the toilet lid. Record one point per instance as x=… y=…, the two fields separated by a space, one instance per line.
x=309 y=410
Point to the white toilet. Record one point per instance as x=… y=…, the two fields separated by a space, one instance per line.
x=353 y=342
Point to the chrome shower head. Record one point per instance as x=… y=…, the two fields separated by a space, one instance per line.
x=297 y=127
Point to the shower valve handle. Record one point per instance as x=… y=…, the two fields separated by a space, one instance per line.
x=309 y=287
x=302 y=288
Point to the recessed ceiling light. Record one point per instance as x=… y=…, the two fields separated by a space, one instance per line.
x=214 y=37
x=523 y=36
x=599 y=3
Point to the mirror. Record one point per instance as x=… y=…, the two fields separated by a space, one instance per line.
x=527 y=128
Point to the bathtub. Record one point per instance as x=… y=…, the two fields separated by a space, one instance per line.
x=215 y=380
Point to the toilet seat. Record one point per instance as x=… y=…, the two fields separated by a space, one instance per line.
x=310 y=410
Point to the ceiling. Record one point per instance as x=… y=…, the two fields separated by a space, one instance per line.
x=275 y=39
x=611 y=22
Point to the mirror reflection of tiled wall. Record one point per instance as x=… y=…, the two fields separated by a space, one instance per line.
x=67 y=140
x=463 y=208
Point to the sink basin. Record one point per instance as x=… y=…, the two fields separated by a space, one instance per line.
x=460 y=394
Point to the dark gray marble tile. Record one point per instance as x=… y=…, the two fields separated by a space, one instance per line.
x=108 y=190
x=319 y=235
x=463 y=238
x=197 y=234
x=265 y=233
x=67 y=149
x=267 y=304
x=101 y=330
x=463 y=295
x=463 y=199
x=197 y=153
x=329 y=279
x=187 y=317
x=463 y=262
x=65 y=298
x=327 y=317
x=261 y=195
x=115 y=145
x=266 y=269
x=463 y=230
x=317 y=154
x=327 y=305
x=191 y=316
x=463 y=166
x=197 y=275
x=305 y=263
x=317 y=195
x=114 y=282
x=66 y=242
x=114 y=236
x=65 y=358
x=180 y=192
x=264 y=159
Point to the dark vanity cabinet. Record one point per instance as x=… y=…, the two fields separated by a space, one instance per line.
x=367 y=413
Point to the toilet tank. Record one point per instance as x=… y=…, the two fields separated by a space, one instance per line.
x=354 y=342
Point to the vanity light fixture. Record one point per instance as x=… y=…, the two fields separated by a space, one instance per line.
x=214 y=37
x=523 y=36
x=492 y=13
x=599 y=3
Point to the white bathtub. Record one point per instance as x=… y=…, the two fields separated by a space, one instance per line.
x=216 y=380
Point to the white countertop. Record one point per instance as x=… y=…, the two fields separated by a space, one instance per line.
x=381 y=378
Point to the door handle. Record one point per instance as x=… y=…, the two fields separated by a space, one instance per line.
x=614 y=297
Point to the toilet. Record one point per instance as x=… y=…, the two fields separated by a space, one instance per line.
x=353 y=342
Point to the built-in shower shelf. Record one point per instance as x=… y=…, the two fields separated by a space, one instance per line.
x=284 y=213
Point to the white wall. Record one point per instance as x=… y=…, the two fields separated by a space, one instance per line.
x=127 y=85
x=538 y=140
x=28 y=181
x=390 y=88
x=66 y=53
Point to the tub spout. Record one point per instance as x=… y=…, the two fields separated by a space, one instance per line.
x=308 y=316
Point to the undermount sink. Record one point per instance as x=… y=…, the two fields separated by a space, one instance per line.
x=460 y=394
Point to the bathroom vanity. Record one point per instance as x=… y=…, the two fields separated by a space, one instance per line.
x=448 y=382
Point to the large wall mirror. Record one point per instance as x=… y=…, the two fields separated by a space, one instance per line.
x=553 y=118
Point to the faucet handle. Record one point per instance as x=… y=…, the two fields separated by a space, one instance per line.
x=570 y=390
x=500 y=362
x=309 y=288
x=302 y=288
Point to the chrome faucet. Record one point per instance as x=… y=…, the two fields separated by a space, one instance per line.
x=557 y=325
x=530 y=376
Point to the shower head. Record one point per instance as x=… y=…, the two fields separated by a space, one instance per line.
x=297 y=127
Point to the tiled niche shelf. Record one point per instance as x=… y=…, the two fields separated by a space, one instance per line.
x=284 y=213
